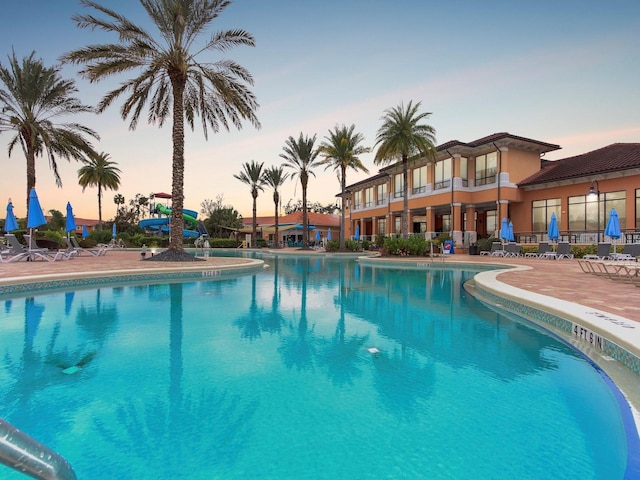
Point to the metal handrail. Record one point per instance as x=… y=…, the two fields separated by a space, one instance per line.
x=23 y=453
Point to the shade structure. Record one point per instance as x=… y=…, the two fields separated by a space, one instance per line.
x=510 y=238
x=70 y=225
x=553 y=233
x=85 y=232
x=329 y=234
x=10 y=223
x=113 y=230
x=318 y=235
x=35 y=217
x=357 y=235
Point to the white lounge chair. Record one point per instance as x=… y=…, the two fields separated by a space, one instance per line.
x=96 y=252
x=35 y=252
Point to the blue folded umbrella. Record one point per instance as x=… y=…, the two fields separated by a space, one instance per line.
x=35 y=217
x=71 y=221
x=10 y=224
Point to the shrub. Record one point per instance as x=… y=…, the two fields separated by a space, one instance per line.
x=224 y=243
x=332 y=246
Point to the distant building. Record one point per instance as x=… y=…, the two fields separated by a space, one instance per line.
x=290 y=231
x=472 y=186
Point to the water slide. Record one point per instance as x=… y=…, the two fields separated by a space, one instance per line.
x=162 y=223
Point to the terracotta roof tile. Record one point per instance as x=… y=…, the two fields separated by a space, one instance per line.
x=615 y=157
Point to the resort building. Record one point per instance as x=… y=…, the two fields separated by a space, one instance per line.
x=322 y=227
x=471 y=187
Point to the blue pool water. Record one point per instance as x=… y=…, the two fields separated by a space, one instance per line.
x=269 y=376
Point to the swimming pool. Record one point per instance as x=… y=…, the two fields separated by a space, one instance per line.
x=269 y=376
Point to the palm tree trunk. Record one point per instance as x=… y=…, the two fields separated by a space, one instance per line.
x=405 y=206
x=254 y=238
x=99 y=206
x=343 y=181
x=31 y=174
x=177 y=188
x=276 y=200
x=305 y=220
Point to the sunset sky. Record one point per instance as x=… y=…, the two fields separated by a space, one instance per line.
x=563 y=72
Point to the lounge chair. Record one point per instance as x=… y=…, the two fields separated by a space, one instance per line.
x=14 y=252
x=630 y=252
x=543 y=247
x=564 y=251
x=35 y=252
x=512 y=250
x=497 y=250
x=96 y=252
x=603 y=252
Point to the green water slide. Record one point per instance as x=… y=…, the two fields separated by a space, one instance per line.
x=190 y=219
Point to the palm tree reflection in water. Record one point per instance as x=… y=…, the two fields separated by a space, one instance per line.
x=174 y=433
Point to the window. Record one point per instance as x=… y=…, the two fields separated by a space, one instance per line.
x=446 y=222
x=486 y=168
x=398 y=224
x=492 y=221
x=398 y=186
x=382 y=194
x=464 y=171
x=541 y=213
x=583 y=210
x=419 y=179
x=443 y=174
x=368 y=197
x=357 y=200
x=382 y=226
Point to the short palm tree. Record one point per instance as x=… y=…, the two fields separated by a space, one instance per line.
x=169 y=77
x=341 y=150
x=252 y=175
x=402 y=137
x=301 y=156
x=99 y=172
x=275 y=178
x=32 y=97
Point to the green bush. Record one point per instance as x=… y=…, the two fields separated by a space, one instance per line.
x=351 y=245
x=416 y=245
x=224 y=243
x=54 y=236
x=332 y=246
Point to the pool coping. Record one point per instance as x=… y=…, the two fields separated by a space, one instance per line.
x=85 y=279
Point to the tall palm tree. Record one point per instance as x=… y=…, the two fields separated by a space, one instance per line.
x=401 y=137
x=275 y=178
x=32 y=97
x=341 y=150
x=252 y=176
x=99 y=172
x=301 y=156
x=169 y=76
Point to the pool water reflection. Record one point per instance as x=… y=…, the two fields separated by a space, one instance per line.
x=269 y=376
